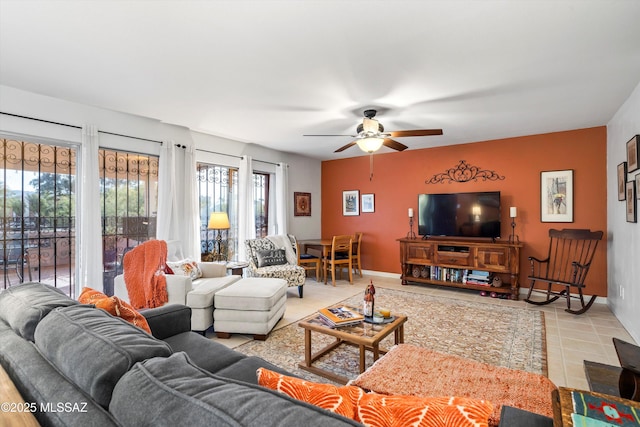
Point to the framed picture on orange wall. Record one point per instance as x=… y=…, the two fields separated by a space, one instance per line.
x=351 y=203
x=556 y=196
x=368 y=203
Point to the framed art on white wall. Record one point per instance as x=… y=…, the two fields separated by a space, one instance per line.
x=633 y=154
x=622 y=179
x=632 y=213
x=301 y=204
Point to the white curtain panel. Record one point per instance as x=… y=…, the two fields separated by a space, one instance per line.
x=282 y=197
x=89 y=240
x=167 y=203
x=180 y=227
x=191 y=220
x=246 y=208
x=272 y=220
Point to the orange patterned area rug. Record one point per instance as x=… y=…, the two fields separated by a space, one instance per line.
x=485 y=332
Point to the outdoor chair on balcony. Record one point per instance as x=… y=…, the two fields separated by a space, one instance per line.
x=567 y=264
x=12 y=262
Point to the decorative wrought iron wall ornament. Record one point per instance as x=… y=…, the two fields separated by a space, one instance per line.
x=463 y=172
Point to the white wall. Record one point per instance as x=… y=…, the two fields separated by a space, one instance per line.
x=304 y=172
x=623 y=293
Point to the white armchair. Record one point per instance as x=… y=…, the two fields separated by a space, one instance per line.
x=197 y=294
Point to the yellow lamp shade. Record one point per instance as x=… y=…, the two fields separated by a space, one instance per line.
x=218 y=221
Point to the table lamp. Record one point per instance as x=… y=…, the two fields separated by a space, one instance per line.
x=219 y=221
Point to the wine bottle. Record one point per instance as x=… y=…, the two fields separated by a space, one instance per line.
x=369 y=300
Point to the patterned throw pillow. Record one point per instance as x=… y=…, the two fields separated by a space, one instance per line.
x=274 y=257
x=114 y=306
x=341 y=400
x=379 y=409
x=185 y=267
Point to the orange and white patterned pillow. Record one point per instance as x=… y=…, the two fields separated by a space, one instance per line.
x=341 y=400
x=378 y=410
x=382 y=410
x=114 y=306
x=185 y=267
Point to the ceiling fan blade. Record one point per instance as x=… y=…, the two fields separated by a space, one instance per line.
x=352 y=136
x=417 y=132
x=351 y=144
x=394 y=144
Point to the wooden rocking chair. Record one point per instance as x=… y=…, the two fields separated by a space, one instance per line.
x=567 y=264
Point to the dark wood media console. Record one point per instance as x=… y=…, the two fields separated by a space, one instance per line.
x=445 y=262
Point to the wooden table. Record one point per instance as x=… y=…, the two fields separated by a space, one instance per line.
x=629 y=357
x=323 y=246
x=365 y=336
x=236 y=267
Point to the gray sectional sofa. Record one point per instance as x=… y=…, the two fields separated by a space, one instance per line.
x=107 y=372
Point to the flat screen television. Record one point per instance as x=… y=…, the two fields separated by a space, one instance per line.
x=459 y=214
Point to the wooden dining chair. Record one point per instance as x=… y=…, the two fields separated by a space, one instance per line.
x=339 y=257
x=355 y=253
x=308 y=262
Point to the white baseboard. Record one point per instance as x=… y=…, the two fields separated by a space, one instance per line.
x=523 y=291
x=381 y=274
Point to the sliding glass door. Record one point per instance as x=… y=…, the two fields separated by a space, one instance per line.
x=37 y=224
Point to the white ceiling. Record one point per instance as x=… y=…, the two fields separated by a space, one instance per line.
x=267 y=72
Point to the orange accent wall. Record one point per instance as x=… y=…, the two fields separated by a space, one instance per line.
x=399 y=177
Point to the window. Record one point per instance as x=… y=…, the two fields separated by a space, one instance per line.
x=129 y=198
x=261 y=202
x=37 y=228
x=218 y=190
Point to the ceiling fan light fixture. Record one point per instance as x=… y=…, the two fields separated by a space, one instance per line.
x=370 y=125
x=369 y=145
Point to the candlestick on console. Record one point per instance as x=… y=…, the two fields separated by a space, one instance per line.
x=513 y=213
x=411 y=234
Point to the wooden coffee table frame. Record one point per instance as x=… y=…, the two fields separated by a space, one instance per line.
x=351 y=335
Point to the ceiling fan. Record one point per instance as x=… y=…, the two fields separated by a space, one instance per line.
x=371 y=135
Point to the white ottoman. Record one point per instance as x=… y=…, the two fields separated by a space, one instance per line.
x=249 y=306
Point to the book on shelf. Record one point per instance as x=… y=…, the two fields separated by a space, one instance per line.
x=480 y=273
x=341 y=316
x=477 y=282
x=478 y=277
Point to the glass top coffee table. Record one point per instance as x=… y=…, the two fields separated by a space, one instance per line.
x=365 y=336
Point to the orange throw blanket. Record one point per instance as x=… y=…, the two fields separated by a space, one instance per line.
x=144 y=274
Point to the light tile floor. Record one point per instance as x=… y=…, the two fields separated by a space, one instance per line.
x=570 y=338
